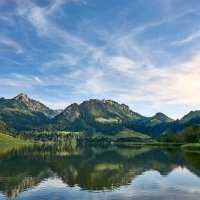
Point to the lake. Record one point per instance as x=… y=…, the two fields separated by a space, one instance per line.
x=110 y=173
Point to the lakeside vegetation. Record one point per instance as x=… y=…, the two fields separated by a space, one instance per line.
x=125 y=138
x=187 y=140
x=192 y=147
x=93 y=122
x=8 y=143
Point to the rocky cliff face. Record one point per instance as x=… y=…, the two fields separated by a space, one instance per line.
x=35 y=106
x=71 y=113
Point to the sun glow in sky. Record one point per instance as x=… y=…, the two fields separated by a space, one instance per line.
x=142 y=53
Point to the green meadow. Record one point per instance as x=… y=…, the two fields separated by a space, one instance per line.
x=8 y=143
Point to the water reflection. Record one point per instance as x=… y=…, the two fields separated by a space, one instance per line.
x=47 y=172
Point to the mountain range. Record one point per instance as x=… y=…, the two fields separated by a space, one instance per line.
x=92 y=116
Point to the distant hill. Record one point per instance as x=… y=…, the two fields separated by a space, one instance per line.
x=92 y=116
x=192 y=117
x=158 y=118
x=153 y=126
x=35 y=106
x=95 y=115
x=190 y=134
x=104 y=111
x=21 y=112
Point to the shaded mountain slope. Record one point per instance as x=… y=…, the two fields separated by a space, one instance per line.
x=95 y=115
x=92 y=116
x=22 y=112
x=35 y=106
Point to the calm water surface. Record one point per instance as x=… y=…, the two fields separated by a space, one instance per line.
x=55 y=173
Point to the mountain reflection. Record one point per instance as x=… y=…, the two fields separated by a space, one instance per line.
x=92 y=169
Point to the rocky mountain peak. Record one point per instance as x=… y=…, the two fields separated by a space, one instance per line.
x=34 y=106
x=162 y=117
x=159 y=114
x=71 y=113
x=192 y=115
x=22 y=97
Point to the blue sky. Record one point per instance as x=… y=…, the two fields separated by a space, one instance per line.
x=145 y=53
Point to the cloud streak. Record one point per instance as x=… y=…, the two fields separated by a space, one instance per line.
x=190 y=38
x=8 y=43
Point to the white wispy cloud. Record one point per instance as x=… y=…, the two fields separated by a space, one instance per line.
x=6 y=19
x=178 y=84
x=190 y=38
x=7 y=43
x=122 y=64
x=41 y=19
x=19 y=80
x=167 y=19
x=61 y=61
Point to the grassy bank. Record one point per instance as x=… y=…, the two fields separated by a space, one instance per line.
x=152 y=144
x=193 y=147
x=8 y=143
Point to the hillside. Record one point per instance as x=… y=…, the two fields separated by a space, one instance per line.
x=104 y=111
x=21 y=112
x=158 y=118
x=95 y=116
x=191 y=118
x=185 y=124
x=127 y=135
x=3 y=127
x=7 y=143
x=190 y=134
x=154 y=126
x=35 y=106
